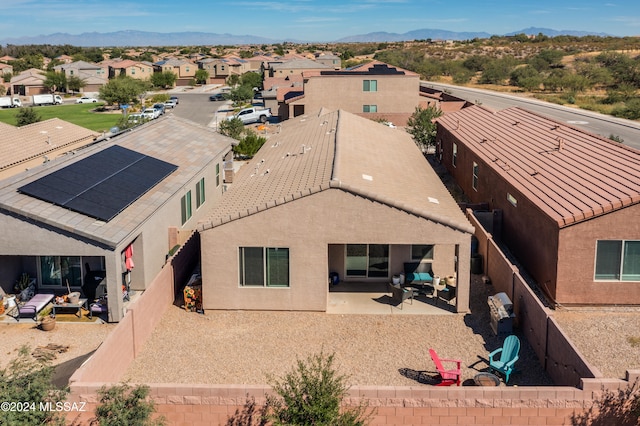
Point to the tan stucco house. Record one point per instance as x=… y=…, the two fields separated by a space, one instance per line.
x=184 y=70
x=161 y=179
x=331 y=192
x=373 y=90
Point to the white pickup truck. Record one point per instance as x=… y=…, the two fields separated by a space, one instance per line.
x=252 y=115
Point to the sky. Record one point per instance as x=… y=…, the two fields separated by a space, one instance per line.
x=315 y=20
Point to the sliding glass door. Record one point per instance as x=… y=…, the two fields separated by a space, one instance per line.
x=367 y=260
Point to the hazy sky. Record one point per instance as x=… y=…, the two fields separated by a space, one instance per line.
x=315 y=20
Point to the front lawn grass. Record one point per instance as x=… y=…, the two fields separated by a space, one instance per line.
x=79 y=114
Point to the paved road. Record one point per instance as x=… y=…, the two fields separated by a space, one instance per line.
x=197 y=107
x=596 y=123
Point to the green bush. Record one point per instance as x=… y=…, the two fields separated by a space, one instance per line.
x=312 y=394
x=27 y=380
x=26 y=116
x=249 y=144
x=124 y=405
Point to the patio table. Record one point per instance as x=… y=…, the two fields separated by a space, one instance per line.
x=67 y=305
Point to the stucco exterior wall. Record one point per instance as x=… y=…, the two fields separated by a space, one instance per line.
x=576 y=272
x=307 y=226
x=395 y=94
x=530 y=235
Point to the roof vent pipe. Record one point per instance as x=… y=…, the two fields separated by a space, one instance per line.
x=560 y=144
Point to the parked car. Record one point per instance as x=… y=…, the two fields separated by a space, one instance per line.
x=217 y=97
x=150 y=113
x=175 y=99
x=159 y=107
x=170 y=104
x=86 y=100
x=136 y=118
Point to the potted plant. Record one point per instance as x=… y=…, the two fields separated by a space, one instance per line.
x=47 y=320
x=22 y=283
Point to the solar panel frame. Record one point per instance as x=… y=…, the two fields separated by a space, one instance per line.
x=103 y=184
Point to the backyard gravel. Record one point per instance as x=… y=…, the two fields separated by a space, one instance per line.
x=248 y=347
x=82 y=340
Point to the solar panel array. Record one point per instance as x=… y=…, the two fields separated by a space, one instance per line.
x=103 y=184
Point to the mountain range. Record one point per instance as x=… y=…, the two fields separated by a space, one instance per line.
x=142 y=38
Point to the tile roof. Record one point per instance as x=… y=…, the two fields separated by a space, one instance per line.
x=338 y=149
x=569 y=174
x=175 y=140
x=300 y=64
x=34 y=140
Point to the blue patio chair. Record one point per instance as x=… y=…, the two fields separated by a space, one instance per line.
x=508 y=357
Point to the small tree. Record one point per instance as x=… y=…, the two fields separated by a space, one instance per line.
x=241 y=94
x=124 y=405
x=312 y=394
x=75 y=83
x=421 y=126
x=123 y=90
x=249 y=144
x=55 y=81
x=163 y=79
x=28 y=381
x=202 y=76
x=232 y=128
x=26 y=116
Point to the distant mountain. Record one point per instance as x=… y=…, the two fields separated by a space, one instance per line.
x=552 y=33
x=413 y=35
x=142 y=38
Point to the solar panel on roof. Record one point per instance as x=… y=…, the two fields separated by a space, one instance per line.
x=103 y=184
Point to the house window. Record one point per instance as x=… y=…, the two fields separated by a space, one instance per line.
x=454 y=157
x=200 y=193
x=58 y=270
x=618 y=260
x=185 y=207
x=370 y=85
x=367 y=260
x=133 y=71
x=217 y=175
x=369 y=108
x=422 y=251
x=264 y=266
x=474 y=183
x=512 y=200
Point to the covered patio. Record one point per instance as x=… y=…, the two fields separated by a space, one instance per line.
x=374 y=299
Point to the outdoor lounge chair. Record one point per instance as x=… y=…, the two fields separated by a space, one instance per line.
x=508 y=357
x=33 y=306
x=399 y=294
x=448 y=377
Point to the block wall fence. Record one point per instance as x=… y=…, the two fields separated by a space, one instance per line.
x=577 y=383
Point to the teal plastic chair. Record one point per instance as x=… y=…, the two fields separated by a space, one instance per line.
x=508 y=356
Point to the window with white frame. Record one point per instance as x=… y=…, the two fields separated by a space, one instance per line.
x=617 y=260
x=369 y=108
x=185 y=207
x=474 y=183
x=200 y=196
x=454 y=157
x=217 y=175
x=370 y=85
x=264 y=266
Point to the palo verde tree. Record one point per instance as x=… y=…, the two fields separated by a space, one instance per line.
x=421 y=126
x=55 y=81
